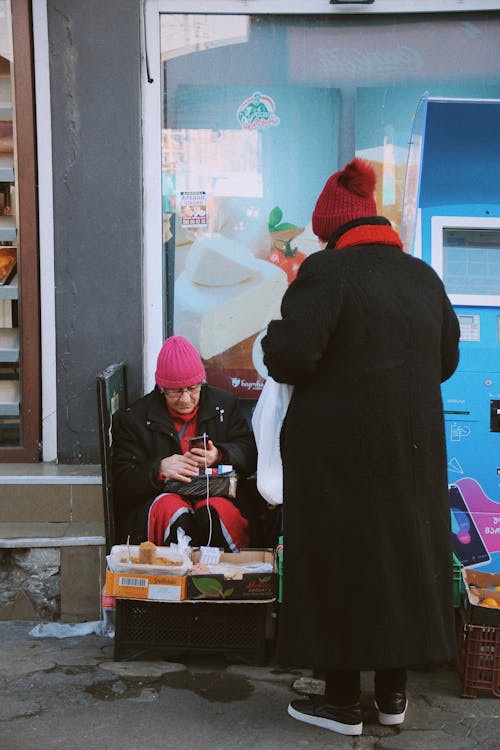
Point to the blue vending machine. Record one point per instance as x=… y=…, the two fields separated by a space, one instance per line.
x=451 y=219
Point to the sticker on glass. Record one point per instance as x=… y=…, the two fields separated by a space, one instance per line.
x=193 y=209
x=258 y=111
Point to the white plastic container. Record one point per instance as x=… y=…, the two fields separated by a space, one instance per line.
x=122 y=556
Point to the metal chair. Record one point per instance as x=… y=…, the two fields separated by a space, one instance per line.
x=111 y=395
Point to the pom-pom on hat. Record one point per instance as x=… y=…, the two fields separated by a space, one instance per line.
x=347 y=195
x=179 y=365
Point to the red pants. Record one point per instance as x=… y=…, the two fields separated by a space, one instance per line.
x=218 y=525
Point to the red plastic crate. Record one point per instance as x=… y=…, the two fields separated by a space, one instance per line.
x=478 y=658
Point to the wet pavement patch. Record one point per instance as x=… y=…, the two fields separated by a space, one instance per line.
x=215 y=687
x=73 y=670
x=122 y=689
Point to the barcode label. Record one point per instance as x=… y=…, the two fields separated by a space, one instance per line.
x=140 y=583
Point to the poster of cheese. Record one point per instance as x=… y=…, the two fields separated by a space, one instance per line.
x=247 y=157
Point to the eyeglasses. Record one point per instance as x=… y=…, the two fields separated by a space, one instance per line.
x=177 y=393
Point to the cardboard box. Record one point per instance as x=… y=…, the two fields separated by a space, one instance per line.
x=248 y=586
x=6 y=137
x=139 y=586
x=479 y=586
x=163 y=580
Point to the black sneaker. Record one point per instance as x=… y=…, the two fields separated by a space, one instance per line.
x=343 y=719
x=391 y=708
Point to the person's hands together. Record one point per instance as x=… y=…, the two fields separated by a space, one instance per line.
x=179 y=467
x=206 y=457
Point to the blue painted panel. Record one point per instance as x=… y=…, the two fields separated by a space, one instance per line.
x=462 y=143
x=460 y=163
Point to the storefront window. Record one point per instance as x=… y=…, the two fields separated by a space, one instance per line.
x=19 y=295
x=9 y=365
x=257 y=111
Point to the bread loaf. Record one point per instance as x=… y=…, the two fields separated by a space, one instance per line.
x=147 y=553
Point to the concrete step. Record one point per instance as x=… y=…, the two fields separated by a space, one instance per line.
x=51 y=517
x=50 y=501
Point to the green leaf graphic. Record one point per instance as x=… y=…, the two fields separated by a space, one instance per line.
x=275 y=217
x=209 y=586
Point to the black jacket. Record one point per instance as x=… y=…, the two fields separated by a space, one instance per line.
x=144 y=433
x=367 y=335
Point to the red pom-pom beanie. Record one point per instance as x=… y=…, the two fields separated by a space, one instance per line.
x=179 y=365
x=347 y=195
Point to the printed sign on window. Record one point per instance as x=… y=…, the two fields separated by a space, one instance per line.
x=193 y=209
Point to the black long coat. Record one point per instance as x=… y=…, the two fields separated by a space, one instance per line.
x=367 y=335
x=144 y=433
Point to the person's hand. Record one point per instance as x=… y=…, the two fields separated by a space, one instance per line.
x=206 y=457
x=179 y=467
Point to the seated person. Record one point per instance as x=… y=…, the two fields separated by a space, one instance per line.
x=151 y=446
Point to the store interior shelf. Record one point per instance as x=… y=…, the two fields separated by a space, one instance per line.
x=5 y=108
x=6 y=168
x=9 y=291
x=9 y=398
x=9 y=344
x=7 y=228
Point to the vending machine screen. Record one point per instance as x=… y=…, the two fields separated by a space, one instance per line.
x=471 y=261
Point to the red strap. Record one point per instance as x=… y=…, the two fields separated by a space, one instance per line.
x=185 y=426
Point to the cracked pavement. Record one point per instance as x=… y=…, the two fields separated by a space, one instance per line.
x=69 y=693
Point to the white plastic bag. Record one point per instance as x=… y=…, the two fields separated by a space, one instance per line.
x=65 y=630
x=267 y=421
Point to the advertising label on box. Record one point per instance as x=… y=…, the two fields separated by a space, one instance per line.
x=152 y=588
x=259 y=585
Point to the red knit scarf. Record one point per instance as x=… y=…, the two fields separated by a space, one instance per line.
x=179 y=420
x=369 y=234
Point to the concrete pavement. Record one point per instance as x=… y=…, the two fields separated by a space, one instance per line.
x=68 y=693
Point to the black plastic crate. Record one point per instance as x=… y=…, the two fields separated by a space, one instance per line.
x=229 y=628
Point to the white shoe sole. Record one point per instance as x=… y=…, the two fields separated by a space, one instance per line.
x=333 y=726
x=391 y=720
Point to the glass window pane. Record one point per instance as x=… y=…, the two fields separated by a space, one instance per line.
x=257 y=112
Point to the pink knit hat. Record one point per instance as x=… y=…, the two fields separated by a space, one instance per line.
x=179 y=365
x=347 y=195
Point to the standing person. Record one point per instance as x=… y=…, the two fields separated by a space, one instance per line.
x=151 y=446
x=367 y=335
